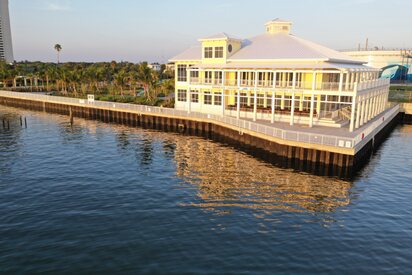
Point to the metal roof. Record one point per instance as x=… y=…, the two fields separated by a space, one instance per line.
x=285 y=66
x=276 y=47
x=193 y=53
x=219 y=36
x=283 y=46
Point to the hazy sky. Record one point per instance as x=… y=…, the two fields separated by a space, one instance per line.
x=156 y=30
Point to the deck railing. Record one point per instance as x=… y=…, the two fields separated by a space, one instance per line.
x=240 y=124
x=381 y=82
x=323 y=86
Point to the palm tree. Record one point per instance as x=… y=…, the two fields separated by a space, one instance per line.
x=58 y=48
x=144 y=75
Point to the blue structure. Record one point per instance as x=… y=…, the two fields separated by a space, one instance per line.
x=397 y=72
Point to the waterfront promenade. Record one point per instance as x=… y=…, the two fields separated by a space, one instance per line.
x=337 y=140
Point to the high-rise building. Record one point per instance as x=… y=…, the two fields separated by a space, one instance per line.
x=6 y=48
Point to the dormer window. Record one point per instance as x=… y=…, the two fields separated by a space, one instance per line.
x=219 y=52
x=208 y=52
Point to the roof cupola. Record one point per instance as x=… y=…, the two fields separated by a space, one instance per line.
x=278 y=26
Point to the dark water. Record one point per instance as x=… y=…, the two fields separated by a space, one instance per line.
x=101 y=198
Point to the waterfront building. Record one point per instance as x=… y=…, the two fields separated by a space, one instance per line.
x=6 y=49
x=155 y=67
x=170 y=67
x=278 y=77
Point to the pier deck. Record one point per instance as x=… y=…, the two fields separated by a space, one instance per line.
x=334 y=139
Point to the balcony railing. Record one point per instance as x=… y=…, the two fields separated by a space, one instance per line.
x=324 y=86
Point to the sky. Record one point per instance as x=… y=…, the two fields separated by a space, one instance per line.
x=156 y=30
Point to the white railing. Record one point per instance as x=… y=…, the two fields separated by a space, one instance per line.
x=361 y=139
x=323 y=86
x=240 y=124
x=373 y=84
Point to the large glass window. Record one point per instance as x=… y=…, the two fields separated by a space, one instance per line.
x=260 y=101
x=181 y=95
x=219 y=52
x=181 y=73
x=207 y=98
x=194 y=96
x=194 y=74
x=243 y=99
x=208 y=77
x=218 y=98
x=218 y=77
x=208 y=52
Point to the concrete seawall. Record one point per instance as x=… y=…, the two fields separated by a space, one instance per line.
x=406 y=111
x=312 y=158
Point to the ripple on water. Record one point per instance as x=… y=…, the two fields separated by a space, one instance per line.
x=96 y=197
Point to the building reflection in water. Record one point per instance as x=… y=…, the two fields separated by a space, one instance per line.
x=221 y=176
x=225 y=177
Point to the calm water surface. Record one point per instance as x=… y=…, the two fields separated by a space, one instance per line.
x=103 y=198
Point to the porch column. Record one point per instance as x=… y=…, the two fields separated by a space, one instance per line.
x=340 y=81
x=367 y=110
x=312 y=99
x=347 y=81
x=292 y=109
x=358 y=110
x=255 y=98
x=282 y=102
x=272 y=120
x=25 y=81
x=352 y=115
x=188 y=93
x=189 y=101
x=223 y=93
x=375 y=105
x=362 y=116
x=301 y=97
x=371 y=107
x=380 y=102
x=312 y=106
x=238 y=95
x=265 y=98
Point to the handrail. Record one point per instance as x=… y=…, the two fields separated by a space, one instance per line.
x=322 y=86
x=361 y=138
x=241 y=124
